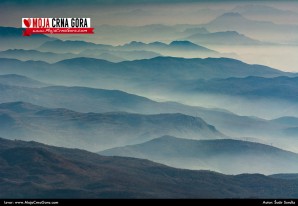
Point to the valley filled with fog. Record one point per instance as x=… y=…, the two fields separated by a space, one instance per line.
x=218 y=94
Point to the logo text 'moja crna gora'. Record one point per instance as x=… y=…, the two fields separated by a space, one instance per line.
x=56 y=26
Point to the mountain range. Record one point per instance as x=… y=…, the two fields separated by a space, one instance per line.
x=84 y=100
x=225 y=156
x=62 y=127
x=264 y=12
x=261 y=30
x=155 y=71
x=244 y=19
x=174 y=46
x=51 y=57
x=120 y=34
x=53 y=50
x=177 y=48
x=118 y=55
x=26 y=55
x=34 y=170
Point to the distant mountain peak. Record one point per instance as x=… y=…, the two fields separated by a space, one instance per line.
x=188 y=45
x=184 y=43
x=166 y=138
x=157 y=43
x=83 y=60
x=230 y=17
x=178 y=44
x=142 y=44
x=230 y=32
x=134 y=43
x=231 y=14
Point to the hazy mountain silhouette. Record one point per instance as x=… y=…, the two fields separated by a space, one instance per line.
x=222 y=38
x=12 y=38
x=83 y=99
x=183 y=46
x=289 y=121
x=59 y=46
x=62 y=127
x=21 y=81
x=179 y=48
x=118 y=55
x=99 y=51
x=76 y=98
x=252 y=9
x=252 y=87
x=25 y=55
x=234 y=21
x=149 y=71
x=226 y=156
x=266 y=13
x=51 y=57
x=120 y=34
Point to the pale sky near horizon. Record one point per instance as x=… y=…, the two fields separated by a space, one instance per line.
x=128 y=12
